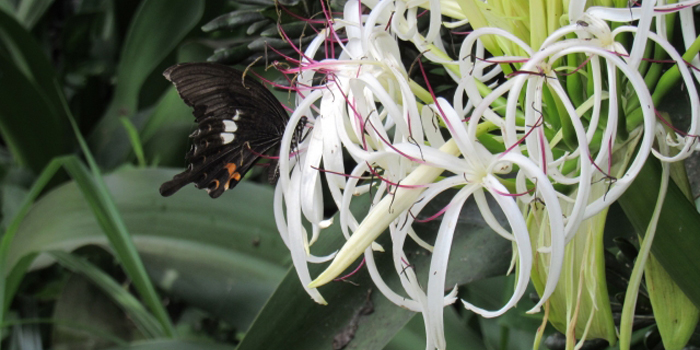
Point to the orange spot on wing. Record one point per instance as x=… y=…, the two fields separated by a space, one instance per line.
x=236 y=176
x=231 y=167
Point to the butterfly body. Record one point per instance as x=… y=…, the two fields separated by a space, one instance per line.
x=238 y=121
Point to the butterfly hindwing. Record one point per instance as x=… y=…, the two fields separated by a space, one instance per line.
x=238 y=121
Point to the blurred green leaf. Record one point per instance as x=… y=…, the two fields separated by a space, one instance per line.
x=291 y=320
x=457 y=334
x=148 y=325
x=31 y=121
x=134 y=139
x=157 y=28
x=31 y=60
x=187 y=241
x=95 y=321
x=515 y=330
x=233 y=19
x=170 y=109
x=102 y=208
x=173 y=345
x=30 y=11
x=27 y=120
x=677 y=241
x=7 y=6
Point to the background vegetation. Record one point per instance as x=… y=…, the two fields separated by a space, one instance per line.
x=94 y=258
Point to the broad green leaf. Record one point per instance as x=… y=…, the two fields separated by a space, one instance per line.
x=291 y=320
x=102 y=207
x=187 y=238
x=457 y=334
x=677 y=240
x=173 y=345
x=148 y=43
x=514 y=330
x=676 y=316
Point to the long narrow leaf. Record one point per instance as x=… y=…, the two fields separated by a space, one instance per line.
x=31 y=60
x=223 y=256
x=29 y=123
x=173 y=345
x=30 y=11
x=104 y=209
x=147 y=43
x=677 y=239
x=142 y=318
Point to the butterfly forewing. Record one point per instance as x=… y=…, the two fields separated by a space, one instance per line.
x=238 y=120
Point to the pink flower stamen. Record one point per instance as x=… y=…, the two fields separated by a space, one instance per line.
x=357 y=269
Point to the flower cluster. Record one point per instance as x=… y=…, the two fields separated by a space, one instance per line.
x=560 y=88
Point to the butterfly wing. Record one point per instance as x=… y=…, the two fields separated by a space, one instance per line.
x=238 y=120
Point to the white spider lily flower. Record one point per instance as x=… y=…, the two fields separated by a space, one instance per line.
x=558 y=148
x=367 y=77
x=536 y=73
x=684 y=142
x=478 y=173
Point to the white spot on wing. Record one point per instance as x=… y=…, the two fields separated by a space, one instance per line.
x=230 y=126
x=226 y=138
x=237 y=116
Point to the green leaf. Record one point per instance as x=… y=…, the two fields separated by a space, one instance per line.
x=232 y=20
x=291 y=320
x=30 y=11
x=82 y=314
x=148 y=43
x=32 y=122
x=457 y=335
x=170 y=109
x=229 y=245
x=148 y=325
x=676 y=242
x=102 y=207
x=173 y=345
x=134 y=140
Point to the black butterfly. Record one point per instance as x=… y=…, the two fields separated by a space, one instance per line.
x=239 y=120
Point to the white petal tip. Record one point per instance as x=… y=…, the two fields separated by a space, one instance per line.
x=325 y=223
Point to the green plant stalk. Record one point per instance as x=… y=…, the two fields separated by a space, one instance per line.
x=472 y=9
x=538 y=25
x=567 y=126
x=632 y=292
x=574 y=83
x=134 y=139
